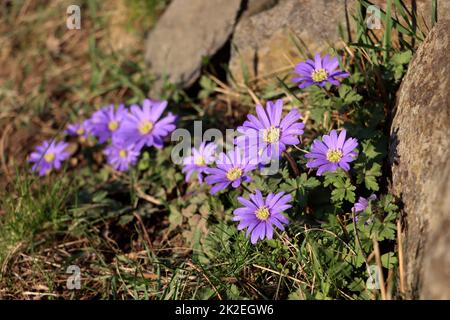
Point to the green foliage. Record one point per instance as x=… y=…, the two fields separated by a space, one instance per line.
x=398 y=64
x=208 y=87
x=368 y=166
x=31 y=206
x=324 y=253
x=343 y=188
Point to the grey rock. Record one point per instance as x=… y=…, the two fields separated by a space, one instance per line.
x=262 y=42
x=256 y=6
x=188 y=31
x=420 y=158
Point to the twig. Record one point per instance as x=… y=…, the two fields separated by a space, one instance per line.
x=207 y=279
x=254 y=97
x=219 y=82
x=283 y=237
x=279 y=273
x=400 y=257
x=306 y=117
x=292 y=163
x=380 y=267
x=389 y=284
x=270 y=74
x=300 y=149
x=227 y=92
x=8 y=258
x=67 y=244
x=141 y=194
x=39 y=294
x=144 y=231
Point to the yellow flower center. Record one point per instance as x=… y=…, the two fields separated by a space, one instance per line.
x=271 y=135
x=319 y=75
x=145 y=127
x=334 y=155
x=123 y=153
x=262 y=213
x=113 y=125
x=80 y=131
x=199 y=161
x=49 y=157
x=234 y=173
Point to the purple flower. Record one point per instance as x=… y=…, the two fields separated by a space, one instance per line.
x=121 y=155
x=143 y=126
x=106 y=121
x=231 y=169
x=81 y=130
x=47 y=156
x=199 y=159
x=362 y=205
x=318 y=72
x=259 y=215
x=332 y=152
x=266 y=136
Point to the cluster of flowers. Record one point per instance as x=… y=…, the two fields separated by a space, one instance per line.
x=265 y=137
x=125 y=131
x=271 y=133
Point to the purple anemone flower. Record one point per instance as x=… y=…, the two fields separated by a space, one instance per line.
x=266 y=136
x=143 y=126
x=81 y=130
x=231 y=169
x=107 y=121
x=199 y=160
x=362 y=204
x=259 y=215
x=121 y=155
x=47 y=156
x=332 y=152
x=318 y=72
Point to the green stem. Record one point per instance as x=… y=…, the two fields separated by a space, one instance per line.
x=358 y=243
x=328 y=93
x=348 y=176
x=246 y=188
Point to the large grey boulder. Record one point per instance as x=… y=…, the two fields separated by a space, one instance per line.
x=187 y=32
x=420 y=157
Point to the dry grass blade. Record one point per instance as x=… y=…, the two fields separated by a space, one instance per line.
x=141 y=194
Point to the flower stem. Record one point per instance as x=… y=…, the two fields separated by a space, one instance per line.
x=328 y=93
x=292 y=163
x=246 y=188
x=348 y=176
x=358 y=242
